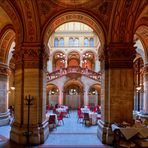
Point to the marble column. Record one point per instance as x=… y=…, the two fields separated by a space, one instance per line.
x=117 y=93
x=4 y=113
x=145 y=101
x=66 y=61
x=97 y=65
x=60 y=96
x=81 y=60
x=30 y=79
x=86 y=99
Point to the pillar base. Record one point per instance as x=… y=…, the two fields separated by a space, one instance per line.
x=105 y=133
x=4 y=118
x=38 y=134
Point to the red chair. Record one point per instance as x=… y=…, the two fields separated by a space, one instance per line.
x=60 y=117
x=94 y=109
x=88 y=106
x=78 y=107
x=54 y=111
x=52 y=121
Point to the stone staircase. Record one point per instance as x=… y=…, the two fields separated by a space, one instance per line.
x=74 y=71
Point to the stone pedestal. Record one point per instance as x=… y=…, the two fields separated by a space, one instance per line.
x=102 y=131
x=4 y=118
x=38 y=133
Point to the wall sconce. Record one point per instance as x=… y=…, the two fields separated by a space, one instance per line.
x=138 y=88
x=12 y=88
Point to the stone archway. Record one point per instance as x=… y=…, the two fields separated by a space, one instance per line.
x=7 y=36
x=52 y=94
x=94 y=94
x=73 y=93
x=77 y=17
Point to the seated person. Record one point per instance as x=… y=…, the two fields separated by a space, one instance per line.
x=57 y=105
x=98 y=109
x=51 y=106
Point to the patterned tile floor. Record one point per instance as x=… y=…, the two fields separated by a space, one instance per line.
x=70 y=135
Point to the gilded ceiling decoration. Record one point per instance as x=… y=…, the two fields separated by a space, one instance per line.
x=100 y=9
x=4 y=19
x=71 y=2
x=113 y=19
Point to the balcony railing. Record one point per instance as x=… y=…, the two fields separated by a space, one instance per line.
x=74 y=70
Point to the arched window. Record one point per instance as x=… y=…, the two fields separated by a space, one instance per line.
x=91 y=42
x=85 y=42
x=56 y=42
x=61 y=42
x=71 y=43
x=76 y=42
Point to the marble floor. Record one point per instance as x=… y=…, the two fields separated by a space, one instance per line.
x=72 y=134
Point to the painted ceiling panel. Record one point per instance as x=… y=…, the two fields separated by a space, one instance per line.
x=4 y=19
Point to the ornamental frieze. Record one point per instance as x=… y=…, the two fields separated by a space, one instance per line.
x=120 y=54
x=145 y=68
x=31 y=54
x=4 y=69
x=121 y=51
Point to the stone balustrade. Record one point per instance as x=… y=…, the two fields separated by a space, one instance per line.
x=76 y=70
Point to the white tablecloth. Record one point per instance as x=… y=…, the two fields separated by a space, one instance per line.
x=93 y=117
x=129 y=132
x=62 y=109
x=85 y=110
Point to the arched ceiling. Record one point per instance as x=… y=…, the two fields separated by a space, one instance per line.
x=71 y=2
x=116 y=18
x=51 y=86
x=51 y=8
x=5 y=42
x=4 y=19
x=141 y=29
x=73 y=82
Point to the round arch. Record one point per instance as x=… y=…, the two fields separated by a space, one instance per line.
x=73 y=99
x=52 y=94
x=94 y=94
x=6 y=40
x=141 y=34
x=74 y=59
x=16 y=21
x=58 y=59
x=77 y=17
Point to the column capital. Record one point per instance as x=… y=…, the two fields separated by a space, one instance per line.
x=4 y=69
x=31 y=54
x=145 y=69
x=118 y=55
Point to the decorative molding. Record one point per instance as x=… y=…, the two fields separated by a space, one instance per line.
x=33 y=56
x=123 y=21
x=73 y=16
x=4 y=69
x=118 y=55
x=145 y=68
x=14 y=16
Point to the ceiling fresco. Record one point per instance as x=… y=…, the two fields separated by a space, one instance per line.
x=4 y=19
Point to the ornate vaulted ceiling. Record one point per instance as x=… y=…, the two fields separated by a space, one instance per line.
x=116 y=17
x=99 y=9
x=4 y=19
